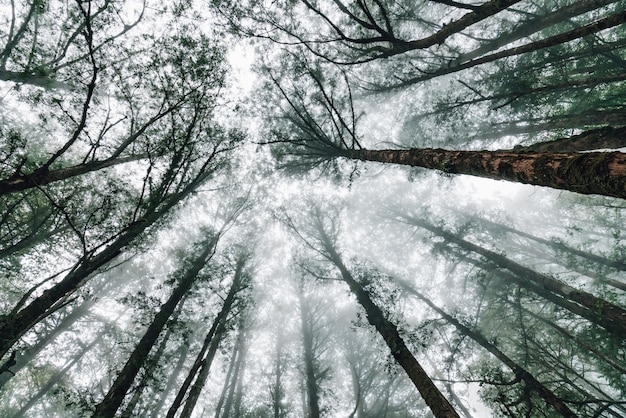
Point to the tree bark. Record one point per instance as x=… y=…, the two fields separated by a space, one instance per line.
x=310 y=372
x=209 y=346
x=587 y=173
x=184 y=351
x=602 y=138
x=11 y=330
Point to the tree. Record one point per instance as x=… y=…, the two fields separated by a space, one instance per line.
x=322 y=127
x=322 y=241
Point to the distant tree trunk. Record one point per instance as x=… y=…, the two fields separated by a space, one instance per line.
x=200 y=368
x=230 y=398
x=435 y=400
x=56 y=377
x=534 y=25
x=30 y=353
x=609 y=315
x=310 y=369
x=184 y=352
x=562 y=38
x=521 y=373
x=277 y=391
x=580 y=342
x=114 y=397
x=227 y=381
x=587 y=173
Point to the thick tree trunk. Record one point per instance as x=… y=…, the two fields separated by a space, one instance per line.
x=521 y=373
x=42 y=177
x=433 y=397
x=609 y=315
x=230 y=397
x=587 y=173
x=114 y=397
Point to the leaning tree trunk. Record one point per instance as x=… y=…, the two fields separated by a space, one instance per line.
x=114 y=397
x=587 y=173
x=211 y=341
x=171 y=381
x=529 y=380
x=608 y=315
x=433 y=397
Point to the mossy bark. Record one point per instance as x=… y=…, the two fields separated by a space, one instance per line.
x=586 y=173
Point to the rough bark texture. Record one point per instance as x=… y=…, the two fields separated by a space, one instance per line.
x=520 y=372
x=588 y=173
x=433 y=397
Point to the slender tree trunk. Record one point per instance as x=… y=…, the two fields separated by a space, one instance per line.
x=589 y=29
x=29 y=354
x=580 y=342
x=433 y=397
x=610 y=316
x=587 y=173
x=149 y=370
x=114 y=397
x=533 y=26
x=11 y=330
x=310 y=371
x=521 y=373
x=227 y=381
x=42 y=177
x=200 y=368
x=230 y=398
x=562 y=248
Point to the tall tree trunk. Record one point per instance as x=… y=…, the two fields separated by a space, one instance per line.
x=114 y=397
x=521 y=373
x=149 y=369
x=209 y=346
x=184 y=352
x=586 y=30
x=587 y=173
x=602 y=138
x=534 y=25
x=610 y=316
x=11 y=330
x=433 y=397
x=310 y=369
x=227 y=381
x=560 y=247
x=230 y=398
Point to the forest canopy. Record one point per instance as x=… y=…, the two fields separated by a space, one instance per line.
x=313 y=208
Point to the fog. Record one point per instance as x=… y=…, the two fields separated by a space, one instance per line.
x=312 y=209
